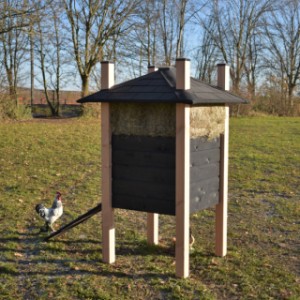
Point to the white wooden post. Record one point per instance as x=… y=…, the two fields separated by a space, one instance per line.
x=152 y=228
x=108 y=227
x=182 y=189
x=152 y=218
x=107 y=75
x=222 y=206
x=223 y=77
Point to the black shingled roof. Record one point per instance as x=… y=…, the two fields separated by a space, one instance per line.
x=160 y=87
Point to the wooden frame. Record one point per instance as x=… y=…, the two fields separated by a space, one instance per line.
x=182 y=189
x=222 y=206
x=108 y=227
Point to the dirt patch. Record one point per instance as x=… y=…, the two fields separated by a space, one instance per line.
x=50 y=120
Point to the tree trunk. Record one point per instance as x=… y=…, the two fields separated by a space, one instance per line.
x=291 y=99
x=179 y=45
x=31 y=68
x=85 y=85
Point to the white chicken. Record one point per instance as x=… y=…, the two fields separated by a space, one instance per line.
x=50 y=215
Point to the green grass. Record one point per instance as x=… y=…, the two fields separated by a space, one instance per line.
x=40 y=157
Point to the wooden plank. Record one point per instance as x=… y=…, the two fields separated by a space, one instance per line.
x=139 y=204
x=221 y=207
x=144 y=159
x=182 y=189
x=108 y=227
x=75 y=222
x=159 y=191
x=152 y=229
x=143 y=174
x=144 y=143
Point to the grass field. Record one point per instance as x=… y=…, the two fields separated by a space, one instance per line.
x=40 y=157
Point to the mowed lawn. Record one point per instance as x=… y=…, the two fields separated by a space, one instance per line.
x=38 y=158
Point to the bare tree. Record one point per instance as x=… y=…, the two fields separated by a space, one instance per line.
x=167 y=28
x=255 y=50
x=31 y=50
x=182 y=5
x=283 y=32
x=13 y=15
x=146 y=30
x=237 y=21
x=50 y=47
x=207 y=53
x=92 y=25
x=13 y=43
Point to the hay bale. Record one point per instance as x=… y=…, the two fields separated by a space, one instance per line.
x=143 y=119
x=159 y=119
x=207 y=121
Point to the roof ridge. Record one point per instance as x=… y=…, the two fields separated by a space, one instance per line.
x=129 y=81
x=165 y=77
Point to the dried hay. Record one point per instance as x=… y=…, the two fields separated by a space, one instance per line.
x=207 y=121
x=146 y=119
x=159 y=119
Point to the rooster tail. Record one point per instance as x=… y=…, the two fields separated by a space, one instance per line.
x=40 y=209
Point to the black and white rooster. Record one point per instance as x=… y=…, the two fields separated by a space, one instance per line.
x=50 y=215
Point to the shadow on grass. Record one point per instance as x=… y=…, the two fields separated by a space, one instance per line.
x=30 y=256
x=82 y=271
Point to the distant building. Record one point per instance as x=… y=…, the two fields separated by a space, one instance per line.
x=66 y=97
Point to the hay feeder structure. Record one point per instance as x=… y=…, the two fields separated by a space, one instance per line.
x=164 y=151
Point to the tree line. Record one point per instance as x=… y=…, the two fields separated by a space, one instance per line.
x=51 y=43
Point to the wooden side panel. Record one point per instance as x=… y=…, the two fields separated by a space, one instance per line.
x=199 y=173
x=143 y=172
x=204 y=194
x=204 y=173
x=182 y=189
x=108 y=227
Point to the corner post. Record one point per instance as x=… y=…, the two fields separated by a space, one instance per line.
x=182 y=189
x=222 y=206
x=108 y=226
x=183 y=82
x=152 y=228
x=152 y=218
x=107 y=75
x=223 y=79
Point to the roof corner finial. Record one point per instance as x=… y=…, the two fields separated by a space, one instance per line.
x=223 y=76
x=183 y=80
x=151 y=69
x=107 y=75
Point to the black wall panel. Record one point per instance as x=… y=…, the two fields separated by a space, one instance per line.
x=143 y=173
